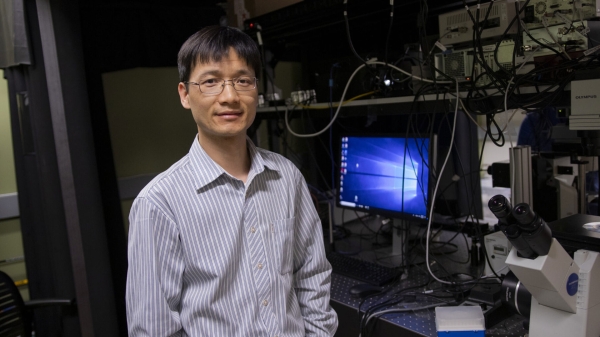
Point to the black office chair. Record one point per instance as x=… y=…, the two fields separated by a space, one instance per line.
x=15 y=314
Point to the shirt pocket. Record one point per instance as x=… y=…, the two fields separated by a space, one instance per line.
x=283 y=244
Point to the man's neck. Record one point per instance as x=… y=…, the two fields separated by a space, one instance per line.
x=230 y=153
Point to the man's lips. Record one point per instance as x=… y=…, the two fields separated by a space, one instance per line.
x=229 y=113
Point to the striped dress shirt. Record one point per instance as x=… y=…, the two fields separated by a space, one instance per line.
x=212 y=256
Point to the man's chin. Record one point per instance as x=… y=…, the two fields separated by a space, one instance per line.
x=227 y=134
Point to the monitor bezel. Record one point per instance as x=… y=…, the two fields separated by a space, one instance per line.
x=432 y=154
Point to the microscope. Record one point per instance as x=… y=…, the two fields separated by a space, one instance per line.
x=565 y=291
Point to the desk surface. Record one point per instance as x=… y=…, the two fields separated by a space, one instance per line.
x=421 y=322
x=409 y=323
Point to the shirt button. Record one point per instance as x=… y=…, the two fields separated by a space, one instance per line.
x=252 y=229
x=260 y=265
x=265 y=303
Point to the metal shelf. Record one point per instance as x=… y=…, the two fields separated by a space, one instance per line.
x=388 y=100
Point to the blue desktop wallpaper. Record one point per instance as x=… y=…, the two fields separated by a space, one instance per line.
x=389 y=173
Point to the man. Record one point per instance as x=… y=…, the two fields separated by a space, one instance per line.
x=226 y=242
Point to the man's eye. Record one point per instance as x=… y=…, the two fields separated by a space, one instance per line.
x=244 y=81
x=210 y=82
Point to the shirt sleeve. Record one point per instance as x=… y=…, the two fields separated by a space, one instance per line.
x=154 y=274
x=312 y=270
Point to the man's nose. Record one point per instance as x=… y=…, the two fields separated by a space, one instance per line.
x=229 y=91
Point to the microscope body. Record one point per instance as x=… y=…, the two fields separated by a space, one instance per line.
x=551 y=279
x=565 y=296
x=564 y=300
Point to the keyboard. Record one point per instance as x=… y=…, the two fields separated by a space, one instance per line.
x=364 y=271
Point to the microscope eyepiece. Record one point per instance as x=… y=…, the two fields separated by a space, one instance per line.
x=525 y=217
x=521 y=209
x=497 y=202
x=534 y=229
x=502 y=209
x=500 y=206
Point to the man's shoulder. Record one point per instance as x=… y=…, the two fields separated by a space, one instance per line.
x=275 y=160
x=167 y=179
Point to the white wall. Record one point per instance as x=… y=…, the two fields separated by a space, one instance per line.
x=11 y=241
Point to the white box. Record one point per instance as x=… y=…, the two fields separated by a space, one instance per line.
x=497 y=247
x=548 y=9
x=585 y=99
x=500 y=17
x=453 y=321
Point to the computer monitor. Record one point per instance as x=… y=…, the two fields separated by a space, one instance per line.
x=386 y=174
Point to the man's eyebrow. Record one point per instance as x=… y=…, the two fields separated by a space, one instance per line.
x=218 y=73
x=210 y=72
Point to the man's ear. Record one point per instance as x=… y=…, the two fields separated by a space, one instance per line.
x=183 y=95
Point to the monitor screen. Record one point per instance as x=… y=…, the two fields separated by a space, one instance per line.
x=386 y=174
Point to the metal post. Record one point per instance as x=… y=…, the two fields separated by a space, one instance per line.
x=59 y=126
x=520 y=174
x=581 y=188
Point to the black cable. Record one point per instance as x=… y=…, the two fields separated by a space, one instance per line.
x=335 y=65
x=389 y=32
x=346 y=21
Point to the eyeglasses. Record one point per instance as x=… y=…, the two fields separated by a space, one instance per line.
x=215 y=86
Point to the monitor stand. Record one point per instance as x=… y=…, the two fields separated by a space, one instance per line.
x=399 y=235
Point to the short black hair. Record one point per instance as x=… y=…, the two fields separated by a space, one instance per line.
x=211 y=44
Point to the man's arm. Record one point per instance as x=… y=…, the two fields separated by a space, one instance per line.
x=154 y=272
x=312 y=270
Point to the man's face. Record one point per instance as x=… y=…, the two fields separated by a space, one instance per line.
x=229 y=114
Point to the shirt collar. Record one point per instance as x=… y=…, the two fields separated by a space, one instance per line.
x=207 y=170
